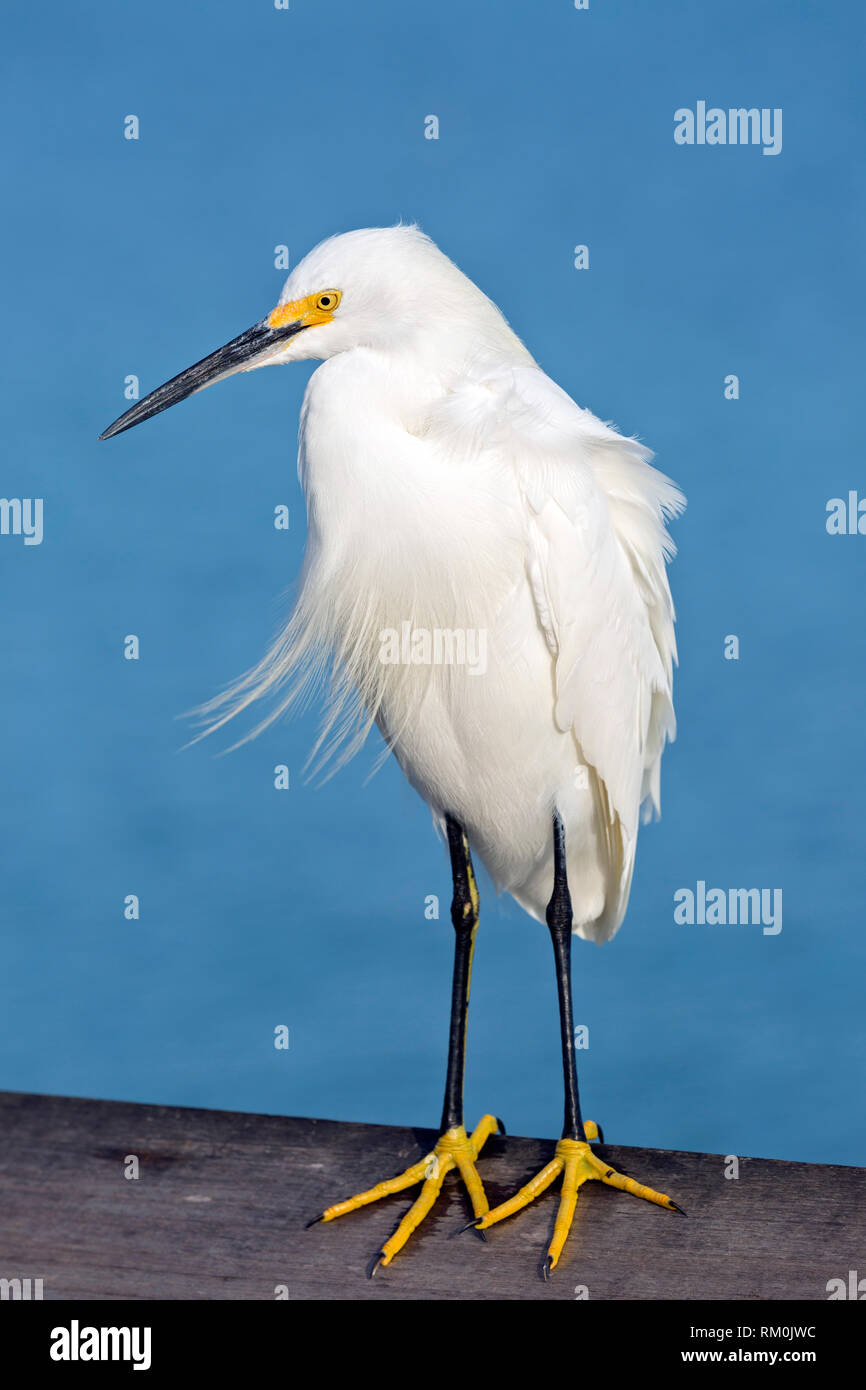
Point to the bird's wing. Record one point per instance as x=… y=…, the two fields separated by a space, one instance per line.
x=597 y=552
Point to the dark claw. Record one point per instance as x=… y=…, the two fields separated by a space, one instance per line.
x=308 y=1224
x=600 y=1134
x=374 y=1264
x=679 y=1209
x=502 y=1129
x=547 y=1270
x=461 y=1229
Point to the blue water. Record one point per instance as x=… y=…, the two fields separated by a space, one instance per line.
x=305 y=908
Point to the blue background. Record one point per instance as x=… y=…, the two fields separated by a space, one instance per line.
x=306 y=907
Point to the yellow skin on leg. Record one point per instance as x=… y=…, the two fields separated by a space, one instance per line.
x=455 y=1149
x=577 y=1163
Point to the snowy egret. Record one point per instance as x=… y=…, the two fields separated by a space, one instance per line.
x=485 y=580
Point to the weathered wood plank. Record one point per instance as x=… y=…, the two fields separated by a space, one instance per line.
x=219 y=1209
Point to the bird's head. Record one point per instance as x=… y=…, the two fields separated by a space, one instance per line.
x=386 y=288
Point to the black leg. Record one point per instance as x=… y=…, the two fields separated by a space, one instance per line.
x=559 y=923
x=464 y=915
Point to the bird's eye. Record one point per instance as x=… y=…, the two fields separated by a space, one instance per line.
x=329 y=300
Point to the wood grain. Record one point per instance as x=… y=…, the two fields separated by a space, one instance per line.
x=219 y=1209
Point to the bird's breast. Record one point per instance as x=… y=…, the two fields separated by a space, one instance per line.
x=416 y=549
x=418 y=526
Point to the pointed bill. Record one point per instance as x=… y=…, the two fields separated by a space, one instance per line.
x=241 y=354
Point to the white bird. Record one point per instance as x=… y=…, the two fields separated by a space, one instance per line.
x=485 y=579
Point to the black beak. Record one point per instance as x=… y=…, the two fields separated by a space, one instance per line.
x=236 y=356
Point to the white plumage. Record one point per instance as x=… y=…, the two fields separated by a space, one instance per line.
x=451 y=485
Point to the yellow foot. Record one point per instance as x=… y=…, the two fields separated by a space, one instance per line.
x=455 y=1149
x=577 y=1163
